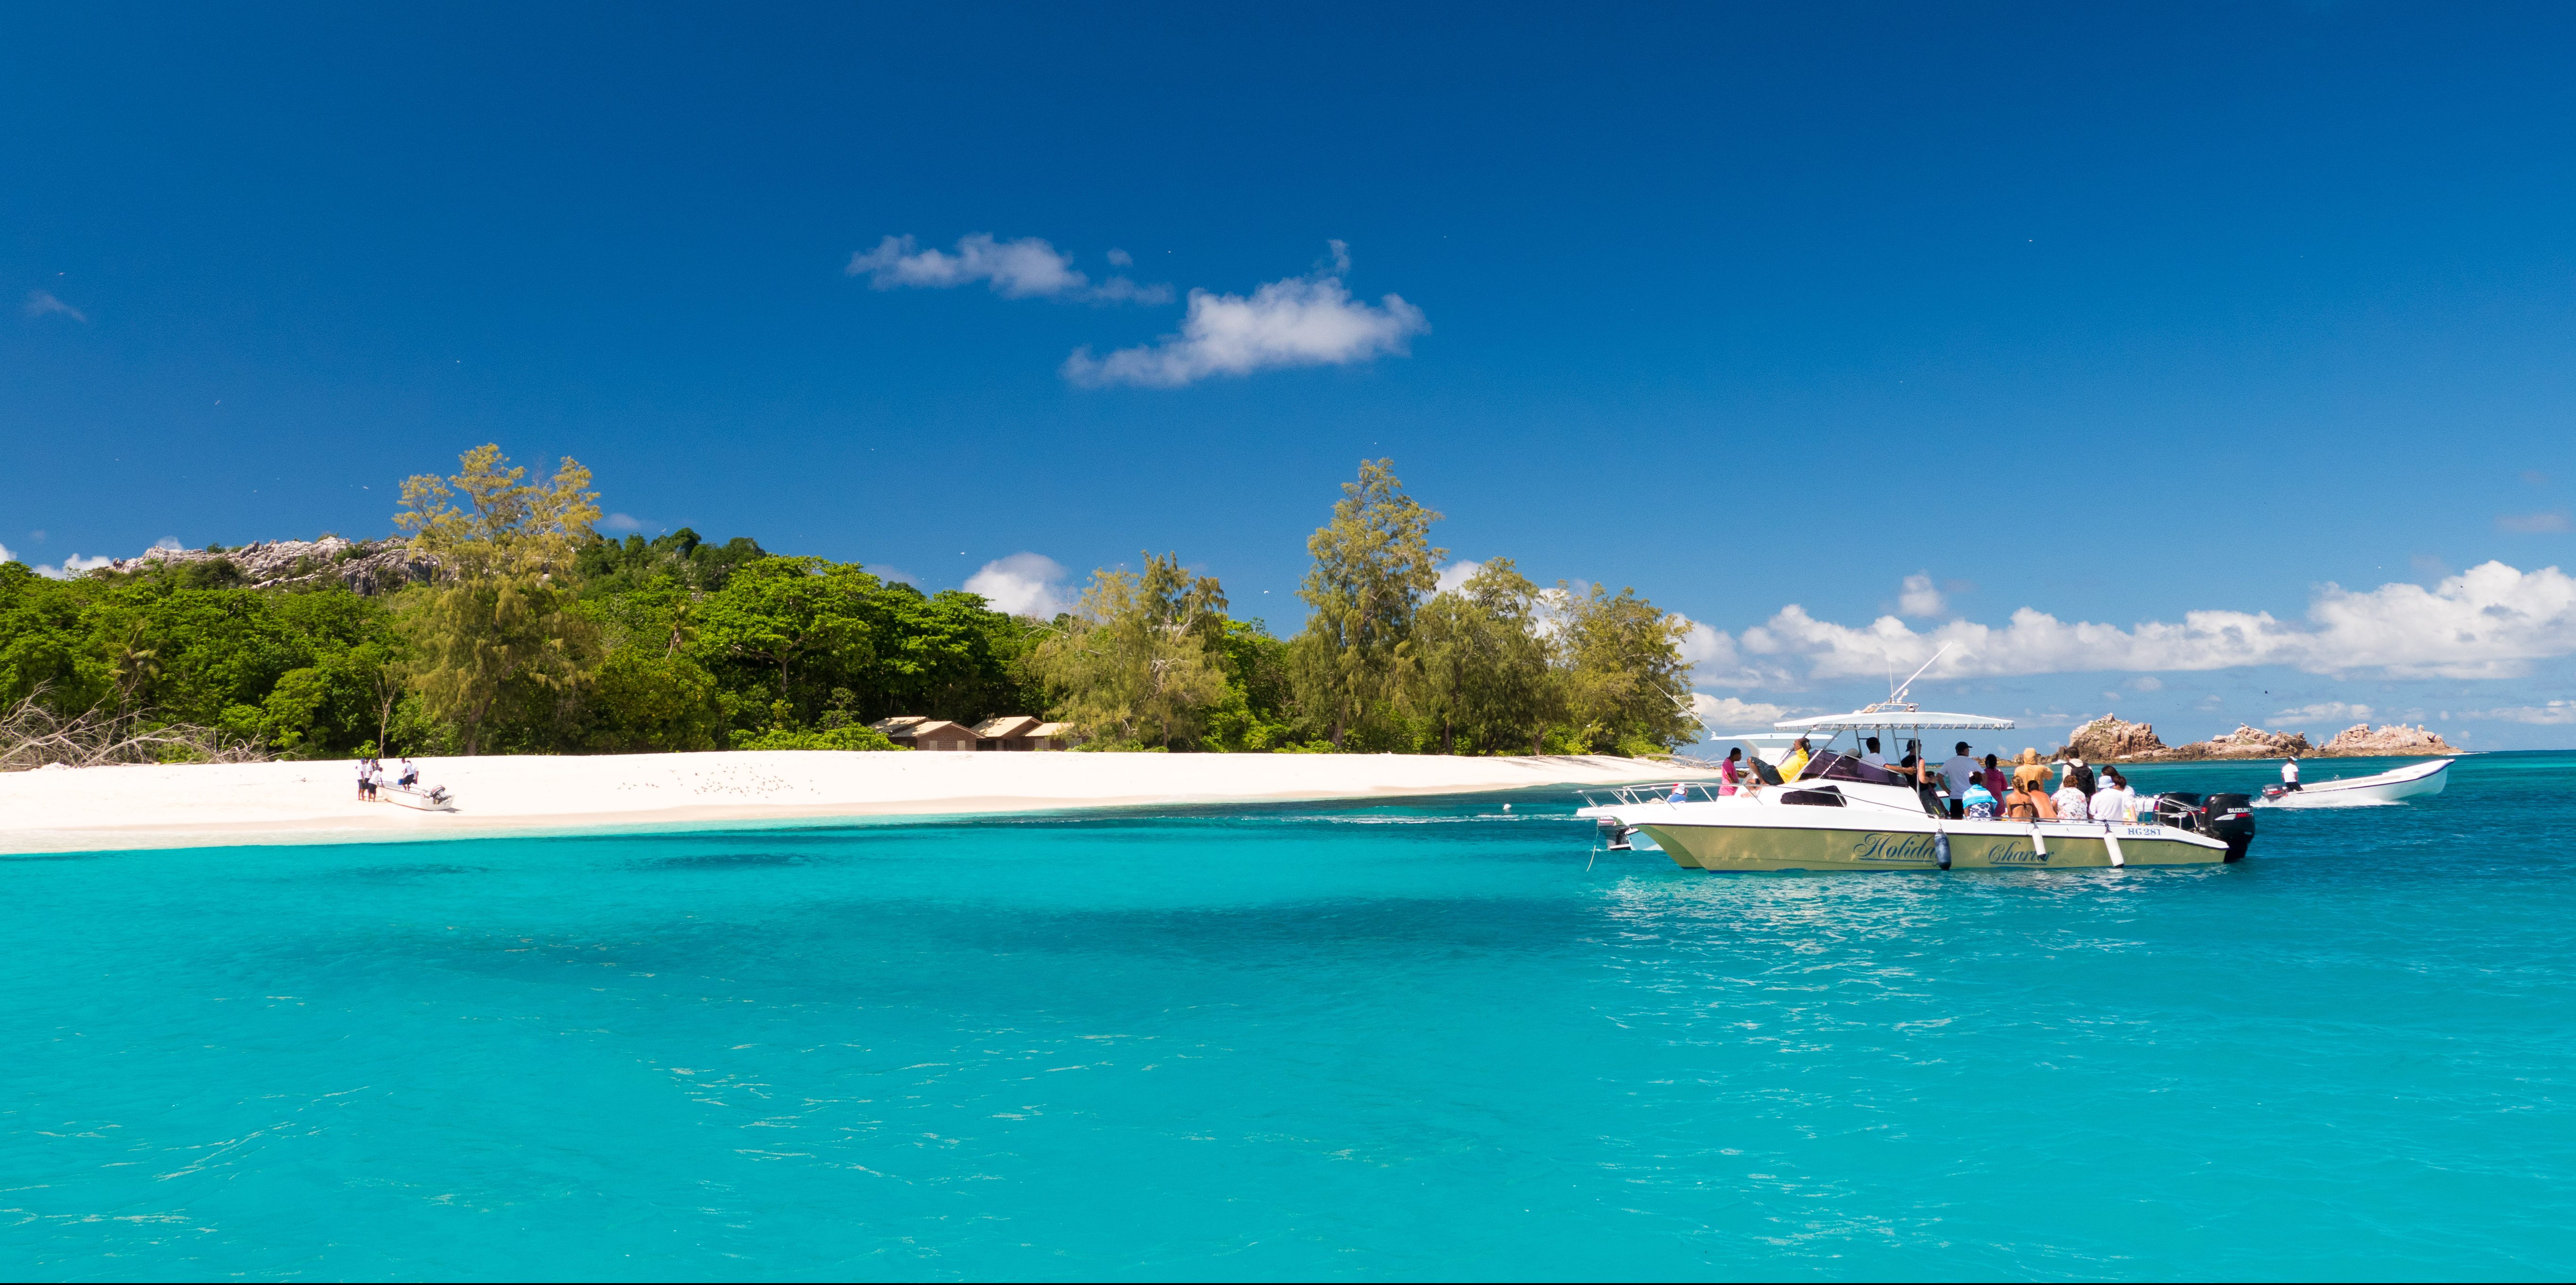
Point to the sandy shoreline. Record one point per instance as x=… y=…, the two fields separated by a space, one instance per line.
x=112 y=808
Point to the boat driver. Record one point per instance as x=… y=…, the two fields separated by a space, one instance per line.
x=2290 y=772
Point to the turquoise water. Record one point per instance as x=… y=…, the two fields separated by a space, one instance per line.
x=1297 y=1042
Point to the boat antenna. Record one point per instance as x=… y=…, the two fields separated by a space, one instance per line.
x=1899 y=693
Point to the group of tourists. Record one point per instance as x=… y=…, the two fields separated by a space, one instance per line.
x=1963 y=787
x=371 y=777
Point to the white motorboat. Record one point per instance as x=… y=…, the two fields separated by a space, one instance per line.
x=433 y=798
x=2414 y=780
x=1842 y=813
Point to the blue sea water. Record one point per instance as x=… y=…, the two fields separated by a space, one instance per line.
x=1291 y=1042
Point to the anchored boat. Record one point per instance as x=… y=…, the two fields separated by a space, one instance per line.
x=1843 y=813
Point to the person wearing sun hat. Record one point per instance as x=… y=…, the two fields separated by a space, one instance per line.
x=2029 y=770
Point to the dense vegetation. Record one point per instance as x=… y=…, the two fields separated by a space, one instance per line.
x=537 y=635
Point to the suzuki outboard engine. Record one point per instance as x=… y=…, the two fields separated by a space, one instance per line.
x=2229 y=818
x=1614 y=834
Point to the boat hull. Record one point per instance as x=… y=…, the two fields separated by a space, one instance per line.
x=2414 y=781
x=1973 y=846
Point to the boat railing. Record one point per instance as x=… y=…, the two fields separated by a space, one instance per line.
x=1634 y=796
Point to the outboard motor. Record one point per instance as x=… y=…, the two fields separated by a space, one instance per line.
x=2229 y=818
x=1614 y=834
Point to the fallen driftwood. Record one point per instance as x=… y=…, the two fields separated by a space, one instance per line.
x=32 y=736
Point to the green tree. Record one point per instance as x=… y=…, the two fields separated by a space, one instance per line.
x=496 y=636
x=1484 y=674
x=1373 y=564
x=1627 y=686
x=784 y=632
x=1140 y=658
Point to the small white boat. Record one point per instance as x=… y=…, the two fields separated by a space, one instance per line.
x=2411 y=781
x=431 y=799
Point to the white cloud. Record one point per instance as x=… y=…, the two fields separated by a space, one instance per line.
x=1301 y=321
x=620 y=522
x=1716 y=660
x=1023 y=269
x=2553 y=713
x=1920 y=598
x=2146 y=683
x=1721 y=713
x=2325 y=712
x=169 y=542
x=5 y=555
x=1023 y=584
x=2543 y=523
x=1120 y=258
x=1456 y=574
x=72 y=566
x=40 y=302
x=2490 y=621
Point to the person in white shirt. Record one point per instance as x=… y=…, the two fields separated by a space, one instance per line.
x=1873 y=757
x=2071 y=805
x=2114 y=801
x=1955 y=775
x=2290 y=771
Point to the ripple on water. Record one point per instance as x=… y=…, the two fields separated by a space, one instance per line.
x=1290 y=1041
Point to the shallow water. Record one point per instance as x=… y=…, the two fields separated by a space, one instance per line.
x=1297 y=1042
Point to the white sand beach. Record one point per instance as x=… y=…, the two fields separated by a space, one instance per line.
x=109 y=808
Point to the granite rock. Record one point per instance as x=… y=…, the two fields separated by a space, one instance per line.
x=365 y=566
x=2361 y=740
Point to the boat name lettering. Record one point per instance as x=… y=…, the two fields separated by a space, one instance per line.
x=1893 y=847
x=2014 y=852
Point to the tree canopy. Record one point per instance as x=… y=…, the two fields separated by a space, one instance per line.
x=534 y=634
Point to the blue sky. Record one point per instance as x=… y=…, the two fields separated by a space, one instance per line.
x=2114 y=315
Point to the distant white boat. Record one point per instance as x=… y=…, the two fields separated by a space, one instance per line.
x=434 y=799
x=2411 y=781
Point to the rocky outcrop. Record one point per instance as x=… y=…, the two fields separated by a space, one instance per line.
x=2361 y=740
x=2248 y=742
x=2111 y=739
x=366 y=566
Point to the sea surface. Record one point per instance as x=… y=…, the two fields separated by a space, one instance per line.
x=1429 y=1040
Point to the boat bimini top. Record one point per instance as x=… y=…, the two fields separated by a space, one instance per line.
x=1892 y=716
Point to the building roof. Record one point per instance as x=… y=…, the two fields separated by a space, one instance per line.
x=942 y=729
x=1006 y=725
x=1050 y=729
x=901 y=724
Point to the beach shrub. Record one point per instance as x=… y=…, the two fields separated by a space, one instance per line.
x=837 y=738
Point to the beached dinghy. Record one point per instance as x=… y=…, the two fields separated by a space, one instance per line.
x=433 y=799
x=2411 y=781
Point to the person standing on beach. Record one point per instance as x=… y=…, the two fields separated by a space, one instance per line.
x=363 y=788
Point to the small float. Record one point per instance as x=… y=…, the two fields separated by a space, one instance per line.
x=2414 y=780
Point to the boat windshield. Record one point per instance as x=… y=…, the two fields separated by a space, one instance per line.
x=1830 y=766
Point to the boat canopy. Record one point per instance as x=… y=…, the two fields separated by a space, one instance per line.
x=1903 y=718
